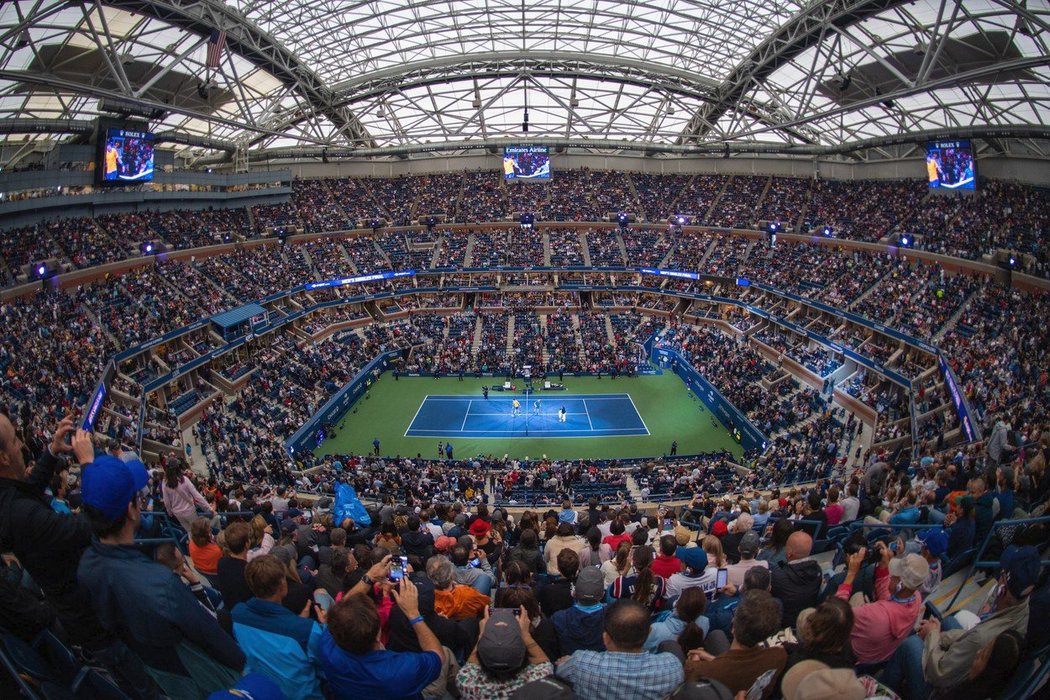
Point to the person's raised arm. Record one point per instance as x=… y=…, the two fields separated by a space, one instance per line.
x=536 y=653
x=378 y=572
x=853 y=563
x=408 y=600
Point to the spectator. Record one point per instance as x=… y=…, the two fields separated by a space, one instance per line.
x=182 y=645
x=814 y=680
x=824 y=635
x=262 y=540
x=278 y=643
x=641 y=583
x=746 y=666
x=170 y=556
x=564 y=539
x=557 y=595
x=203 y=550
x=834 y=510
x=731 y=542
x=230 y=578
x=567 y=514
x=618 y=565
x=48 y=544
x=748 y=549
x=415 y=541
x=993 y=668
x=776 y=552
x=938 y=659
x=880 y=626
x=515 y=595
x=687 y=624
x=354 y=660
x=797 y=580
x=666 y=563
x=479 y=577
x=933 y=543
x=181 y=497
x=594 y=553
x=983 y=508
x=695 y=575
x=580 y=627
x=453 y=600
x=528 y=551
x=625 y=670
x=850 y=505
x=505 y=658
x=332 y=576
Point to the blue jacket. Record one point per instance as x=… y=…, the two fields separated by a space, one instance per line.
x=391 y=675
x=151 y=609
x=579 y=630
x=669 y=628
x=281 y=645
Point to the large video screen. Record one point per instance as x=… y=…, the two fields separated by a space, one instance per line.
x=950 y=165
x=526 y=163
x=126 y=157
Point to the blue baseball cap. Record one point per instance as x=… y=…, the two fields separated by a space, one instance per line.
x=1022 y=566
x=693 y=557
x=935 y=539
x=109 y=484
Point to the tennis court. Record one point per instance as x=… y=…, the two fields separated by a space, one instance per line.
x=586 y=416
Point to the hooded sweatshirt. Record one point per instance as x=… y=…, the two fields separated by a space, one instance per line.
x=578 y=629
x=880 y=627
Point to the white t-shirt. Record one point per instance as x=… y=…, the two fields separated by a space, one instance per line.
x=681 y=581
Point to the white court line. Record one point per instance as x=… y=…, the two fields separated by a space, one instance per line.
x=588 y=415
x=639 y=414
x=466 y=414
x=417 y=415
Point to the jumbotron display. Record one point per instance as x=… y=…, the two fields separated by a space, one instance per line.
x=526 y=163
x=950 y=165
x=127 y=157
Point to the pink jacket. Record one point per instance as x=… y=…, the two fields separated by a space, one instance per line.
x=880 y=627
x=181 y=499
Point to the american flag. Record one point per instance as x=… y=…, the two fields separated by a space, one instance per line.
x=216 y=44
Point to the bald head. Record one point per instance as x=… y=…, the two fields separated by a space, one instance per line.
x=799 y=545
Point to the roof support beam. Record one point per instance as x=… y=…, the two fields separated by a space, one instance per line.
x=710 y=149
x=258 y=47
x=802 y=31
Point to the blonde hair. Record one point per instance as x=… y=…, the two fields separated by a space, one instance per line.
x=715 y=555
x=258 y=530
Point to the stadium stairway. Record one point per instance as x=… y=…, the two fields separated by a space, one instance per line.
x=585 y=249
x=953 y=319
x=622 y=247
x=510 y=335
x=546 y=249
x=468 y=255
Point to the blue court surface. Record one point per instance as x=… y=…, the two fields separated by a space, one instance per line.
x=591 y=415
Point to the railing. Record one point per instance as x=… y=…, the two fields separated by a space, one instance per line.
x=990 y=564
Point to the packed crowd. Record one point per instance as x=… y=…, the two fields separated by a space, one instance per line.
x=1001 y=219
x=430 y=592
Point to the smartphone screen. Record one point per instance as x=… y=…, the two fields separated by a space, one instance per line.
x=667 y=523
x=475 y=562
x=722 y=578
x=325 y=601
x=397 y=569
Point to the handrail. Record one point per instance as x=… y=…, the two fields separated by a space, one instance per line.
x=978 y=562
